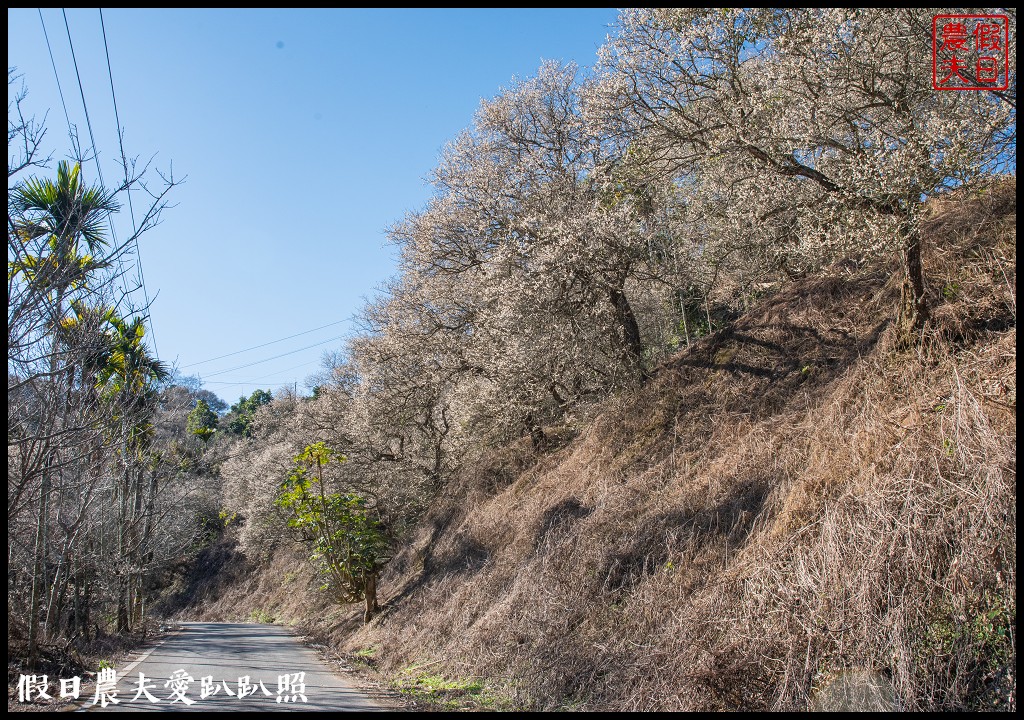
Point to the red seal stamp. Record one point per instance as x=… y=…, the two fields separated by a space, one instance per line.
x=970 y=52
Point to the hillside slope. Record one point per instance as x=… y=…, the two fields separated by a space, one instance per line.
x=789 y=510
x=790 y=514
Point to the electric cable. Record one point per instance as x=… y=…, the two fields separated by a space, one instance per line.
x=291 y=352
x=131 y=208
x=55 y=76
x=272 y=342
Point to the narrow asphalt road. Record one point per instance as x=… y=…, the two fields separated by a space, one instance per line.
x=232 y=667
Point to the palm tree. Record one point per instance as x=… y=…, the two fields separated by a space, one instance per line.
x=63 y=216
x=65 y=213
x=131 y=371
x=85 y=329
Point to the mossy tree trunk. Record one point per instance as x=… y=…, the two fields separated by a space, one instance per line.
x=370 y=596
x=913 y=311
x=630 y=340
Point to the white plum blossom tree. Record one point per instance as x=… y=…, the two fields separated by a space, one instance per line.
x=824 y=119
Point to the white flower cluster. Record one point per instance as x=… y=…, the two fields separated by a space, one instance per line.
x=589 y=222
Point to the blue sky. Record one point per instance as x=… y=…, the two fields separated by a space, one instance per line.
x=303 y=135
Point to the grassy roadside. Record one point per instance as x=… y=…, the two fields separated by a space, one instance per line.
x=416 y=688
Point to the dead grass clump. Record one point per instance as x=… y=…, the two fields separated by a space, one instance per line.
x=970 y=259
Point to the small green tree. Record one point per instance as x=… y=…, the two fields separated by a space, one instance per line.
x=349 y=545
x=202 y=421
x=243 y=412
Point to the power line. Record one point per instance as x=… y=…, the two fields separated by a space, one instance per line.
x=117 y=118
x=96 y=158
x=92 y=139
x=85 y=107
x=291 y=352
x=257 y=381
x=272 y=342
x=224 y=382
x=131 y=209
x=55 y=76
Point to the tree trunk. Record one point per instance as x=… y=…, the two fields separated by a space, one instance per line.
x=51 y=622
x=122 y=604
x=82 y=583
x=633 y=350
x=537 y=436
x=37 y=575
x=913 y=312
x=370 y=595
x=135 y=552
x=76 y=605
x=123 y=542
x=682 y=311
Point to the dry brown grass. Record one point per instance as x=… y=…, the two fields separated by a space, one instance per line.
x=789 y=507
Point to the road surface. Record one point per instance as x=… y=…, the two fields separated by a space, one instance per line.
x=227 y=662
